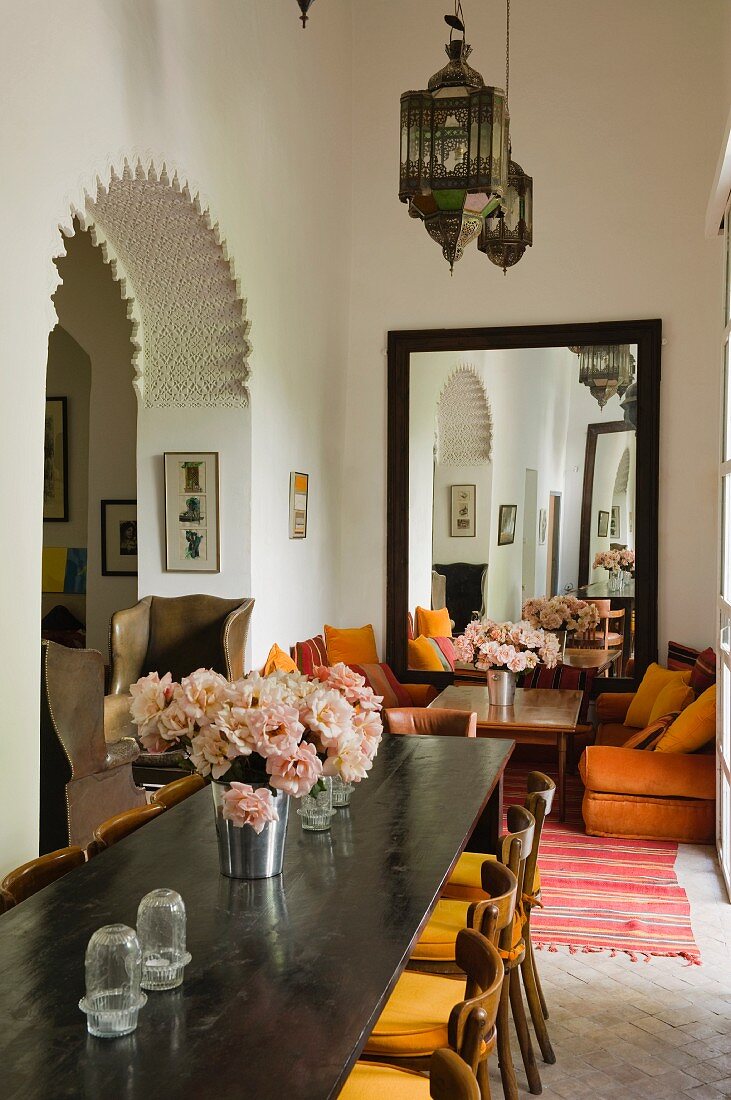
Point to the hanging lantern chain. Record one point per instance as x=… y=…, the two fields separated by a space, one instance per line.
x=507 y=57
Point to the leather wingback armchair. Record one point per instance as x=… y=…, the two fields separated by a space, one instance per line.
x=84 y=780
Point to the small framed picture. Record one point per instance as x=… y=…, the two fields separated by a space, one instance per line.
x=603 y=525
x=463 y=511
x=299 y=491
x=542 y=526
x=55 y=462
x=614 y=531
x=192 y=539
x=506 y=524
x=119 y=538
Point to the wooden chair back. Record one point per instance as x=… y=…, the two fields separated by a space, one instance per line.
x=440 y=723
x=491 y=916
x=6 y=902
x=450 y=1078
x=514 y=848
x=177 y=791
x=541 y=791
x=121 y=825
x=609 y=622
x=472 y=1021
x=25 y=881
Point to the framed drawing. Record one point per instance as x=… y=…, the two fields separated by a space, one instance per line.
x=299 y=491
x=506 y=524
x=542 y=526
x=55 y=462
x=463 y=511
x=614 y=531
x=119 y=538
x=191 y=512
x=603 y=525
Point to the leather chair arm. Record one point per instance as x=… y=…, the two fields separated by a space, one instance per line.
x=117 y=720
x=611 y=770
x=613 y=706
x=121 y=752
x=235 y=632
x=129 y=637
x=421 y=695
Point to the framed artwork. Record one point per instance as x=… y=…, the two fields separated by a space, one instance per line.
x=55 y=462
x=603 y=525
x=191 y=512
x=299 y=491
x=614 y=531
x=542 y=526
x=630 y=521
x=119 y=538
x=506 y=524
x=463 y=511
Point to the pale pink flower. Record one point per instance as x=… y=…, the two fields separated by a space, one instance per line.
x=351 y=761
x=242 y=805
x=174 y=723
x=295 y=772
x=150 y=697
x=370 y=727
x=328 y=715
x=211 y=752
x=202 y=694
x=351 y=684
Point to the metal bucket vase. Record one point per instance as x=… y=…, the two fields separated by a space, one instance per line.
x=500 y=687
x=243 y=853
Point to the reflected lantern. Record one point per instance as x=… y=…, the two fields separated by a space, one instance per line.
x=508 y=231
x=606 y=369
x=305 y=6
x=454 y=151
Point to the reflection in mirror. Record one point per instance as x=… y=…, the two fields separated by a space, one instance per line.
x=522 y=474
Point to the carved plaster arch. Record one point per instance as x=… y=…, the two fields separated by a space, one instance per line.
x=190 y=330
x=464 y=420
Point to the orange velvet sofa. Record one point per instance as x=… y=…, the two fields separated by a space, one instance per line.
x=641 y=794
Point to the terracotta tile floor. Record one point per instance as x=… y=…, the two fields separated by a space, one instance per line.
x=633 y=1030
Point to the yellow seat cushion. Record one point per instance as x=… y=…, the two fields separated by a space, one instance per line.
x=654 y=680
x=373 y=1081
x=694 y=728
x=352 y=646
x=437 y=941
x=423 y=657
x=278 y=661
x=414 y=1021
x=675 y=696
x=433 y=624
x=465 y=881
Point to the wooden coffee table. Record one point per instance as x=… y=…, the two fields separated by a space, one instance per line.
x=539 y=716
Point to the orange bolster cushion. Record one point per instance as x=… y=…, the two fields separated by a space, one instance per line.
x=355 y=646
x=423 y=657
x=433 y=624
x=613 y=770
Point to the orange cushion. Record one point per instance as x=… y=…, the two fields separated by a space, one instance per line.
x=370 y=1080
x=465 y=881
x=675 y=696
x=433 y=624
x=437 y=941
x=694 y=728
x=414 y=1020
x=654 y=680
x=353 y=646
x=423 y=657
x=278 y=661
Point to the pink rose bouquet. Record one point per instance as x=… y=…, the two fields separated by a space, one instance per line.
x=283 y=731
x=561 y=613
x=514 y=646
x=627 y=560
x=609 y=560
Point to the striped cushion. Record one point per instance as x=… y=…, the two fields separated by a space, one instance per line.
x=410 y=626
x=703 y=664
x=445 y=649
x=562 y=676
x=681 y=657
x=382 y=680
x=649 y=737
x=309 y=655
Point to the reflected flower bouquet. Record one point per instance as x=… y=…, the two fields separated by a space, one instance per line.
x=285 y=730
x=560 y=613
x=627 y=560
x=610 y=560
x=514 y=646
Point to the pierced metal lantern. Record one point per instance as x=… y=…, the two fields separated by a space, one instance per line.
x=454 y=152
x=606 y=369
x=508 y=231
x=305 y=6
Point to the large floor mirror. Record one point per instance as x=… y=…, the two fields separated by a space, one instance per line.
x=523 y=463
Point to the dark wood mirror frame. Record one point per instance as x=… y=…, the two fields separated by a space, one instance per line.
x=647 y=336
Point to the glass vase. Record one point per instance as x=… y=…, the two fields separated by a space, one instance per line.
x=615 y=580
x=316 y=808
x=161 y=932
x=113 y=966
x=342 y=792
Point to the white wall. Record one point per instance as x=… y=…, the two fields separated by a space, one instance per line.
x=603 y=112
x=609 y=451
x=256 y=112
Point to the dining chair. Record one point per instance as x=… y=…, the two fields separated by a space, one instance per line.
x=421 y=1016
x=541 y=792
x=121 y=825
x=451 y=1076
x=177 y=791
x=26 y=880
x=607 y=634
x=440 y=723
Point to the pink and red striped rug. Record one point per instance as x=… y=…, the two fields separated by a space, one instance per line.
x=604 y=894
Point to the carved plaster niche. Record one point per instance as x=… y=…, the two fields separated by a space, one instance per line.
x=464 y=421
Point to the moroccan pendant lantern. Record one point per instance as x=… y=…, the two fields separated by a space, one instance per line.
x=606 y=370
x=305 y=6
x=454 y=149
x=508 y=231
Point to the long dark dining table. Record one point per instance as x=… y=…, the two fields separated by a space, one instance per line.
x=288 y=975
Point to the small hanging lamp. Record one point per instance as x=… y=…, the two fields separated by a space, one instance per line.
x=508 y=230
x=305 y=6
x=606 y=369
x=454 y=149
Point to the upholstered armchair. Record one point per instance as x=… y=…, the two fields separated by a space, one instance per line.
x=176 y=634
x=84 y=780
